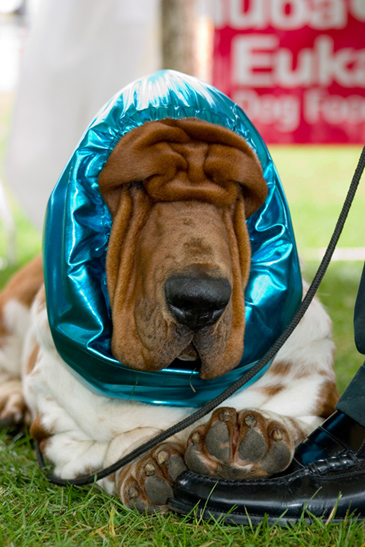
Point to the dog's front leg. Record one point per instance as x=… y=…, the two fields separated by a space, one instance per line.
x=81 y=433
x=147 y=483
x=242 y=445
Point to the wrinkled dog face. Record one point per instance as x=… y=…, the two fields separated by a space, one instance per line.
x=178 y=260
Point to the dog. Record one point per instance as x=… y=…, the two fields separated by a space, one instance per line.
x=178 y=260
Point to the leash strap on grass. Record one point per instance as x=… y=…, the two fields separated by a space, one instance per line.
x=208 y=407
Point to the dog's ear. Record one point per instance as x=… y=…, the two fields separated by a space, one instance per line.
x=180 y=159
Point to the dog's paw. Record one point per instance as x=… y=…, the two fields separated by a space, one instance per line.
x=147 y=484
x=239 y=445
x=12 y=405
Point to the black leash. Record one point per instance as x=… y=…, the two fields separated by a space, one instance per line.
x=208 y=407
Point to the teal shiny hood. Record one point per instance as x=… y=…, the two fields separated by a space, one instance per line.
x=76 y=235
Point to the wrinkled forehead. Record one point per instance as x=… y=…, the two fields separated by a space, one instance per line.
x=183 y=130
x=175 y=132
x=184 y=159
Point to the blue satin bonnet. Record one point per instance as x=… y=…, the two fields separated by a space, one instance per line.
x=76 y=235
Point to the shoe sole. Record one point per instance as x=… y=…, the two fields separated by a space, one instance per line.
x=184 y=508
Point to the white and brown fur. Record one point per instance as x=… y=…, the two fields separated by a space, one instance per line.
x=253 y=435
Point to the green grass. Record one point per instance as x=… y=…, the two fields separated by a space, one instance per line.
x=34 y=512
x=316 y=180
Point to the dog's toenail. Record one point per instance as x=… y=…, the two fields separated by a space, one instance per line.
x=250 y=420
x=133 y=493
x=276 y=435
x=162 y=457
x=195 y=438
x=225 y=415
x=149 y=469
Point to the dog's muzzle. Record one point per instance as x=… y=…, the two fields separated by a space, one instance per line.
x=197 y=301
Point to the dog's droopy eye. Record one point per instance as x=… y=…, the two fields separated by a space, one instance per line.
x=137 y=184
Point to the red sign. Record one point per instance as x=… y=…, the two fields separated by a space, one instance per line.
x=296 y=67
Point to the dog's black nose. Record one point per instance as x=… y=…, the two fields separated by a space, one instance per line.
x=197 y=301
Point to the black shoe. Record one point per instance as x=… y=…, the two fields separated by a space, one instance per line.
x=338 y=434
x=326 y=479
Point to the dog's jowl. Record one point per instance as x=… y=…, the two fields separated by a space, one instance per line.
x=168 y=281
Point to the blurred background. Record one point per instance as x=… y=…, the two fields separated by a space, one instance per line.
x=295 y=66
